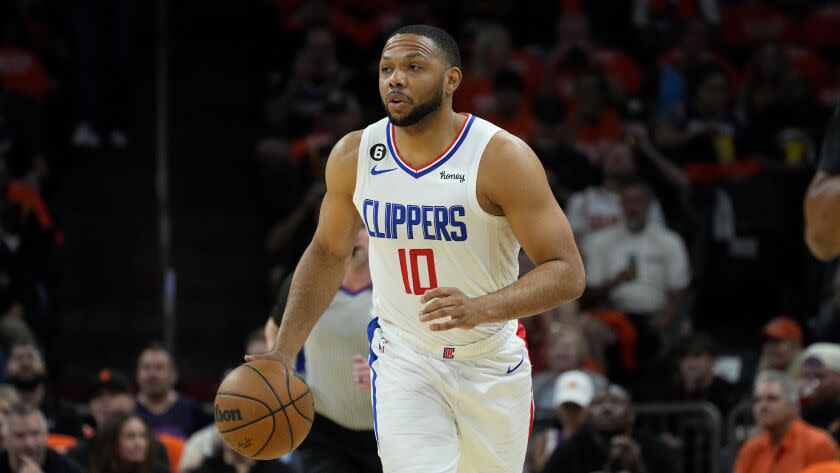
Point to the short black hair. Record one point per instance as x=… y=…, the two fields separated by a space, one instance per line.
x=696 y=344
x=444 y=41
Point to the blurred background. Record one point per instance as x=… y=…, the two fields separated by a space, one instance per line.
x=161 y=167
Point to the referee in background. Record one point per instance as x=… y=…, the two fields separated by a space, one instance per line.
x=342 y=438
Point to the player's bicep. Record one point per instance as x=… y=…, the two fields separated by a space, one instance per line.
x=521 y=189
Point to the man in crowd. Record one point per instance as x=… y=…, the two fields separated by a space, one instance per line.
x=786 y=443
x=27 y=371
x=160 y=405
x=25 y=440
x=609 y=444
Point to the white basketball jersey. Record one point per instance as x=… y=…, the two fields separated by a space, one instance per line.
x=428 y=230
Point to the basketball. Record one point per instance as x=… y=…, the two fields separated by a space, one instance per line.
x=263 y=409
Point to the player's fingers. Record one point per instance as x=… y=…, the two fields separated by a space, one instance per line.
x=445 y=325
x=437 y=304
x=437 y=292
x=439 y=313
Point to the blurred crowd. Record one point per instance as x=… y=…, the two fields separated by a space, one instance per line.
x=678 y=135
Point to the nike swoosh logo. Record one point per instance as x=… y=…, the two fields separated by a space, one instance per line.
x=374 y=171
x=511 y=370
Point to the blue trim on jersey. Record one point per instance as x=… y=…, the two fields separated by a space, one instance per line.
x=440 y=161
x=371 y=329
x=355 y=293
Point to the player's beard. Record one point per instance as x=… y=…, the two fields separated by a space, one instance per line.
x=419 y=112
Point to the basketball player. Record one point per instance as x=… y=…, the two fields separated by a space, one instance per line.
x=822 y=202
x=447 y=199
x=342 y=438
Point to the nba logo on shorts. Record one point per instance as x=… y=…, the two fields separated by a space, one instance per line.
x=448 y=352
x=382 y=343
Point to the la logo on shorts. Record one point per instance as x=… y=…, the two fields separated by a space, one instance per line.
x=448 y=352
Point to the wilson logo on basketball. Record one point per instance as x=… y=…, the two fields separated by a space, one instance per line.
x=227 y=415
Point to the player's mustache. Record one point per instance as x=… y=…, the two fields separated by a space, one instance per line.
x=398 y=95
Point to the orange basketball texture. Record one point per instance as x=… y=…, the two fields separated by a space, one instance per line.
x=264 y=410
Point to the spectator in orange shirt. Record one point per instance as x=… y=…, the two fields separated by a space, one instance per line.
x=786 y=443
x=574 y=53
x=594 y=123
x=493 y=51
x=511 y=110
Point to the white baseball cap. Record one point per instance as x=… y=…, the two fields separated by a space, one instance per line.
x=575 y=387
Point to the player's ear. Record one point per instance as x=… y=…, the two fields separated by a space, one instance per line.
x=452 y=80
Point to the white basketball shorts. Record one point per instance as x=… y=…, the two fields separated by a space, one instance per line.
x=438 y=409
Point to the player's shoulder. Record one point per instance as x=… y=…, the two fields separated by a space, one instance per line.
x=348 y=145
x=506 y=153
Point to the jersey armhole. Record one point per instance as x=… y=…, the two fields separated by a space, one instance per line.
x=360 y=168
x=473 y=189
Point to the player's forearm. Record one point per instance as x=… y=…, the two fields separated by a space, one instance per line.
x=545 y=287
x=822 y=208
x=314 y=285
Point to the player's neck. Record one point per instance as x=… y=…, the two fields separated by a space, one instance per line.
x=421 y=143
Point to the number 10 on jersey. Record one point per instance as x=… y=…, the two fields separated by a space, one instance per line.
x=410 y=267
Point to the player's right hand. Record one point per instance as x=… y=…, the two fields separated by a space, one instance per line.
x=276 y=355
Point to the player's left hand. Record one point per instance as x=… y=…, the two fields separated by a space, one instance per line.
x=463 y=312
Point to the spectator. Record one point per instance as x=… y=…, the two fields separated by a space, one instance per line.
x=567 y=169
x=564 y=350
x=609 y=444
x=110 y=397
x=25 y=442
x=493 y=52
x=574 y=52
x=594 y=124
x=163 y=408
x=227 y=460
x=659 y=21
x=599 y=207
x=125 y=446
x=703 y=129
x=821 y=386
x=511 y=109
x=782 y=346
x=786 y=443
x=776 y=108
x=692 y=52
x=572 y=394
x=696 y=380
x=27 y=372
x=316 y=71
x=640 y=269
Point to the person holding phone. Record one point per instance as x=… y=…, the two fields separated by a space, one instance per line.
x=640 y=269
